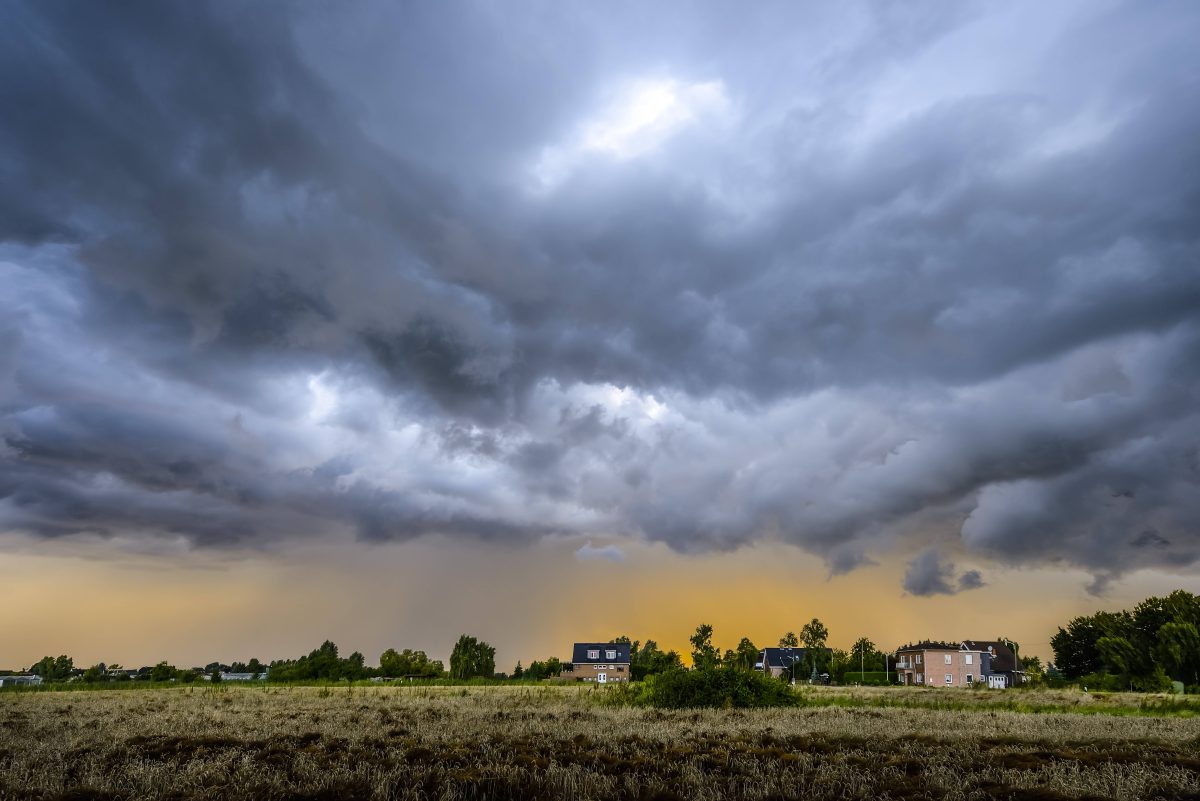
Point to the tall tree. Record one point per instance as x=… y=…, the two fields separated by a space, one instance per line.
x=747 y=654
x=789 y=640
x=705 y=656
x=864 y=656
x=814 y=635
x=471 y=658
x=1179 y=651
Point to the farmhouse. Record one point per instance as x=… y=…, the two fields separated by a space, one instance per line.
x=601 y=662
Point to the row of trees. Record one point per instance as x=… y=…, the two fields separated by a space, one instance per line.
x=321 y=664
x=1148 y=648
x=474 y=658
x=536 y=671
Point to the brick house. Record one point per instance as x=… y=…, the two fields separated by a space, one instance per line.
x=939 y=664
x=601 y=662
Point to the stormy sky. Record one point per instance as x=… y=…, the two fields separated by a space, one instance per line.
x=888 y=283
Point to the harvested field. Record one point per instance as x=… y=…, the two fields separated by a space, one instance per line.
x=559 y=743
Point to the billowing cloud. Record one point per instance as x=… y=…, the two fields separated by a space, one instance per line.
x=929 y=574
x=854 y=279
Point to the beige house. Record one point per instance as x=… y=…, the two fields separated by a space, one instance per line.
x=600 y=662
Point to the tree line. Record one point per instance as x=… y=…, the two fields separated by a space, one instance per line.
x=1145 y=649
x=1148 y=648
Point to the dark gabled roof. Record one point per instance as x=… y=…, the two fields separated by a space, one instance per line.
x=579 y=654
x=783 y=657
x=1003 y=659
x=929 y=645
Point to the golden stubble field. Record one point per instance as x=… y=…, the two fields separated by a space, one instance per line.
x=560 y=743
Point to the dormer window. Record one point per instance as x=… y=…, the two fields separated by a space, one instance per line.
x=610 y=654
x=594 y=654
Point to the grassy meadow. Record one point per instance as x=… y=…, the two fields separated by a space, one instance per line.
x=577 y=743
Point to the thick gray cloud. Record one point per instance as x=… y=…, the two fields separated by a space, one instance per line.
x=929 y=574
x=865 y=279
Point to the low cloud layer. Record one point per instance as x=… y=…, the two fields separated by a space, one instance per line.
x=867 y=280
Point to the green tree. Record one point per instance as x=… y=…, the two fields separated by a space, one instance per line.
x=355 y=667
x=789 y=640
x=1179 y=651
x=162 y=672
x=1119 y=656
x=215 y=676
x=390 y=664
x=408 y=663
x=1075 y=647
x=864 y=656
x=840 y=667
x=54 y=669
x=471 y=658
x=94 y=674
x=816 y=657
x=650 y=660
x=746 y=655
x=704 y=654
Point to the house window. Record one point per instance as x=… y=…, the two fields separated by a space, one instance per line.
x=920 y=678
x=970 y=678
x=949 y=678
x=610 y=654
x=602 y=678
x=918 y=659
x=594 y=654
x=949 y=659
x=968 y=659
x=620 y=668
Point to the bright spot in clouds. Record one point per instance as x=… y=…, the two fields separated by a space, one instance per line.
x=641 y=117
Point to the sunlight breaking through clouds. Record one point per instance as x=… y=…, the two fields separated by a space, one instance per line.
x=642 y=116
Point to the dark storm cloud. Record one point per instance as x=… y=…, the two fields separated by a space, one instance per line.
x=928 y=574
x=858 y=279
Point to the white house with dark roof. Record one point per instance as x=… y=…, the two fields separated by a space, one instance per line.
x=600 y=662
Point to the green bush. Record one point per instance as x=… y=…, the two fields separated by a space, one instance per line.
x=721 y=687
x=869 y=678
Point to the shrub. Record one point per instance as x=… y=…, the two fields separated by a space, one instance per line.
x=871 y=678
x=720 y=687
